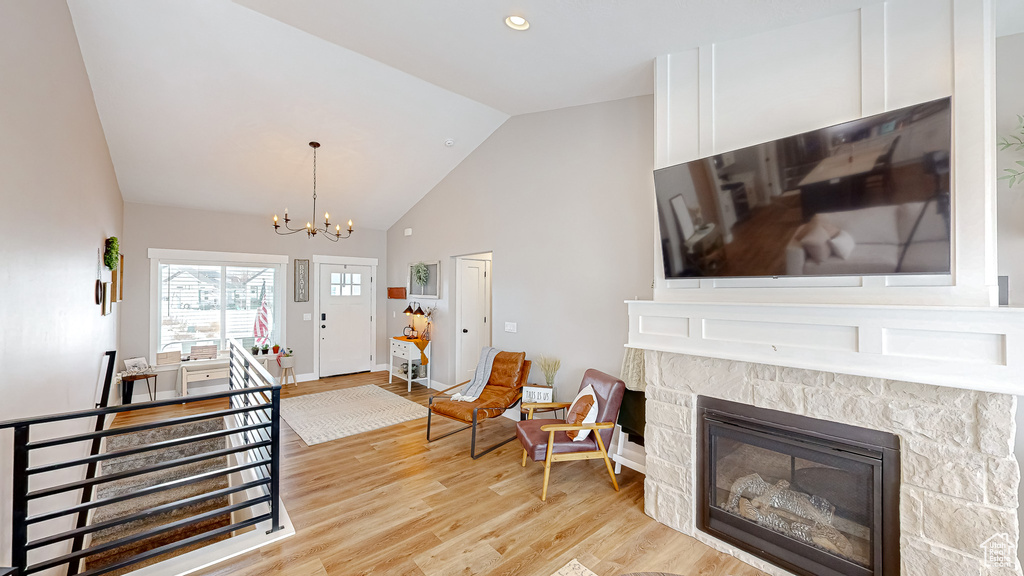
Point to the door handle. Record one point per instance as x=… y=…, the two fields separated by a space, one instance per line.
x=323 y=325
x=465 y=331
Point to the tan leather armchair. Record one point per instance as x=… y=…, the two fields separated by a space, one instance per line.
x=496 y=397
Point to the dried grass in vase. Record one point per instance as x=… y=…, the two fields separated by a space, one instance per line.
x=550 y=366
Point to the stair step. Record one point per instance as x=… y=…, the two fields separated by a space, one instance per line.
x=134 y=505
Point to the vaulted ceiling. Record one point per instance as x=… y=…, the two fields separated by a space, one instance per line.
x=211 y=103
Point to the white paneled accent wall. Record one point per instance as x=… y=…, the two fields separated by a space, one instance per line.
x=957 y=347
x=745 y=91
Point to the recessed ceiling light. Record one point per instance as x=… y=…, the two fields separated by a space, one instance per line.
x=517 y=23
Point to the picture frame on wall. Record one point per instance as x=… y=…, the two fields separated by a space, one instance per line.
x=107 y=302
x=301 y=280
x=120 y=278
x=432 y=287
x=137 y=364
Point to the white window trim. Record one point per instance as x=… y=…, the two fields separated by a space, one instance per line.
x=318 y=259
x=169 y=256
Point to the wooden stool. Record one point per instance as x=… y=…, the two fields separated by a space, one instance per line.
x=285 y=372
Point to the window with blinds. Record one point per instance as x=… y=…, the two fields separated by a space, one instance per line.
x=209 y=304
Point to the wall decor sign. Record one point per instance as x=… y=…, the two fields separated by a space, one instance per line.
x=301 y=280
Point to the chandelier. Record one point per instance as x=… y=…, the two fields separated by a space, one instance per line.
x=310 y=230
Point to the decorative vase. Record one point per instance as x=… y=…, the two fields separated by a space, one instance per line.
x=287 y=361
x=276 y=348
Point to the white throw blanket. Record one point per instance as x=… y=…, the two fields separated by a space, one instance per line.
x=471 y=391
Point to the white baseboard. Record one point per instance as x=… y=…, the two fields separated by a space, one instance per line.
x=308 y=377
x=381 y=368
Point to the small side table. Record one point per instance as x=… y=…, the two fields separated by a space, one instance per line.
x=524 y=412
x=407 y=350
x=128 y=386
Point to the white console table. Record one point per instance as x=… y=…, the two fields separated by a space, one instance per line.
x=214 y=369
x=405 y=349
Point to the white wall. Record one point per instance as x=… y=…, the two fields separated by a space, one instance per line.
x=60 y=201
x=147 y=226
x=744 y=91
x=565 y=201
x=1010 y=103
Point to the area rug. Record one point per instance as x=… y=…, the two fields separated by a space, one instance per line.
x=327 y=416
x=574 y=568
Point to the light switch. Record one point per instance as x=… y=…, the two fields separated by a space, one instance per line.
x=510 y=327
x=307 y=317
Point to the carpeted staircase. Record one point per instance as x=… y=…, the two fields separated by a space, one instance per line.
x=134 y=505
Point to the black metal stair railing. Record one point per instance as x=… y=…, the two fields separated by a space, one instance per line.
x=254 y=414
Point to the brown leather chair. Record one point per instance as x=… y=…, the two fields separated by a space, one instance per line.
x=492 y=402
x=547 y=439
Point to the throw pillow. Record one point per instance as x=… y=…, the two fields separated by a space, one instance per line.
x=842 y=244
x=583 y=410
x=505 y=369
x=815 y=243
x=827 y=224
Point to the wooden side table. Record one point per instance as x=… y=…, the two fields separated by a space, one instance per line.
x=524 y=412
x=128 y=386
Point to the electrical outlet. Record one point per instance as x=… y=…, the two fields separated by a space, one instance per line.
x=307 y=317
x=510 y=327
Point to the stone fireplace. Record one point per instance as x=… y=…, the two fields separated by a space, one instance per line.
x=815 y=497
x=958 y=493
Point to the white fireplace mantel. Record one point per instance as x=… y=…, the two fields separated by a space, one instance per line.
x=970 y=348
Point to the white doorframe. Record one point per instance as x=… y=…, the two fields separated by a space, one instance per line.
x=319 y=259
x=485 y=257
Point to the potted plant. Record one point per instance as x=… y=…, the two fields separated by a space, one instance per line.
x=111 y=251
x=266 y=348
x=255 y=349
x=276 y=348
x=286 y=359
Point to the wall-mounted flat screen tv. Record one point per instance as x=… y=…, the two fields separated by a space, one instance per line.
x=866 y=197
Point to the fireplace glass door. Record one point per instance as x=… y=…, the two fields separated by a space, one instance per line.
x=813 y=503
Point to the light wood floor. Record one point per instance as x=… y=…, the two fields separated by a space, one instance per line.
x=387 y=502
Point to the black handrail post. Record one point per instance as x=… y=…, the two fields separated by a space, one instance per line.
x=90 y=471
x=275 y=459
x=19 y=509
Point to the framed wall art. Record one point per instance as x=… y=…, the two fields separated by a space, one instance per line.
x=301 y=280
x=423 y=279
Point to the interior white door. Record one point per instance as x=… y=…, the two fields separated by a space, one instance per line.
x=472 y=308
x=346 y=312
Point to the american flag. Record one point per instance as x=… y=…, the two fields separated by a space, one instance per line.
x=261 y=328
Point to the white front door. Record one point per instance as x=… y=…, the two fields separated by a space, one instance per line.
x=346 y=313
x=472 y=311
